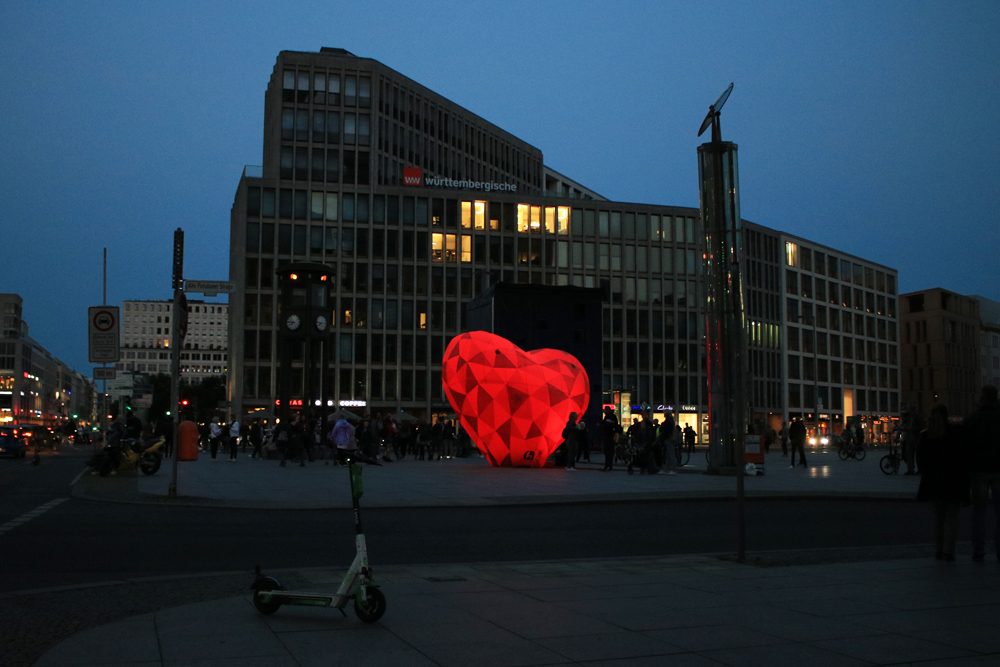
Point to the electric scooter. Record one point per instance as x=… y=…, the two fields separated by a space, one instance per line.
x=358 y=583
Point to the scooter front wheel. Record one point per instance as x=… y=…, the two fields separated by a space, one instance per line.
x=374 y=605
x=266 y=584
x=149 y=464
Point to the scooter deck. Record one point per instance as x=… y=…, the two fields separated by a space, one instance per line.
x=304 y=598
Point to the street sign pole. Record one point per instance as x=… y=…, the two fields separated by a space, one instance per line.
x=175 y=357
x=104 y=302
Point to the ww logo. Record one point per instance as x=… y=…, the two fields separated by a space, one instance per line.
x=413 y=176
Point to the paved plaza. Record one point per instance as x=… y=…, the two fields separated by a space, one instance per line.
x=683 y=610
x=472 y=482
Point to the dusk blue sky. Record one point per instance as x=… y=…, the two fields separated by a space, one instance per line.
x=870 y=127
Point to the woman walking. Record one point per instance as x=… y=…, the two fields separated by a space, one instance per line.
x=944 y=478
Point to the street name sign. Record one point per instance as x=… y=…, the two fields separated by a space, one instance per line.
x=210 y=287
x=103 y=329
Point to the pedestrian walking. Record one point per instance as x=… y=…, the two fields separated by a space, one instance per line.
x=234 y=440
x=912 y=424
x=569 y=435
x=214 y=434
x=437 y=438
x=784 y=438
x=256 y=436
x=609 y=437
x=944 y=479
x=797 y=438
x=344 y=438
x=981 y=431
x=666 y=441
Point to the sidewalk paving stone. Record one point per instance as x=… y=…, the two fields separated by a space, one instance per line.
x=494 y=614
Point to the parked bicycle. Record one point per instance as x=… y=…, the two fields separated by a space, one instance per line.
x=890 y=462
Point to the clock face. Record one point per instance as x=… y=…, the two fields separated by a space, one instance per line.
x=321 y=323
x=293 y=322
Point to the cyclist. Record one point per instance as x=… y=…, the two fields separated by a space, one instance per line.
x=689 y=437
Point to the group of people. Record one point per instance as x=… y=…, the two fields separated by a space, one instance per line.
x=655 y=445
x=959 y=465
x=305 y=438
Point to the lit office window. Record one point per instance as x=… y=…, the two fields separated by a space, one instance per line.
x=480 y=215
x=467 y=214
x=449 y=248
x=536 y=217
x=562 y=220
x=437 y=247
x=466 y=248
x=522 y=217
x=791 y=253
x=550 y=219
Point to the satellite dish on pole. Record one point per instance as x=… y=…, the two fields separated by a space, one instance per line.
x=712 y=119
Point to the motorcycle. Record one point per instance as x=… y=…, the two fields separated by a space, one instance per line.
x=128 y=454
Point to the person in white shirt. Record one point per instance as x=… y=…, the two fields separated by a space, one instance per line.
x=234 y=439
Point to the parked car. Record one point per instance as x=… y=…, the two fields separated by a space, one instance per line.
x=12 y=443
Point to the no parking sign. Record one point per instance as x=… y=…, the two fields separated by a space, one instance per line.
x=103 y=327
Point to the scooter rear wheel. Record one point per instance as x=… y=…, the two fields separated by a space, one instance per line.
x=374 y=605
x=266 y=584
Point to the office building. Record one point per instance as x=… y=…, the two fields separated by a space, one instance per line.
x=146 y=347
x=35 y=387
x=989 y=341
x=941 y=351
x=417 y=206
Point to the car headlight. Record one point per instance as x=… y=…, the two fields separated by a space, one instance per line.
x=812 y=441
x=826 y=441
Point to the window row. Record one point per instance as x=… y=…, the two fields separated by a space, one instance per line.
x=325 y=127
x=818 y=262
x=659 y=357
x=822 y=398
x=452 y=213
x=820 y=290
x=837 y=320
x=823 y=370
x=321 y=87
x=331 y=242
x=324 y=165
x=833 y=345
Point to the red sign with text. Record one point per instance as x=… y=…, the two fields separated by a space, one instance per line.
x=413 y=176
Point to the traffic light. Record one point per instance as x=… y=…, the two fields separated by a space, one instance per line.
x=128 y=402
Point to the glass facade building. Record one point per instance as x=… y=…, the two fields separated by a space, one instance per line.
x=417 y=205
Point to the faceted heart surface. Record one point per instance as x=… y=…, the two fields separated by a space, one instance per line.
x=514 y=404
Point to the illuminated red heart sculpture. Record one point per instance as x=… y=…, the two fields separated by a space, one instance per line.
x=514 y=404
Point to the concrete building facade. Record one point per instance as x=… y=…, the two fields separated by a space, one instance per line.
x=941 y=351
x=146 y=346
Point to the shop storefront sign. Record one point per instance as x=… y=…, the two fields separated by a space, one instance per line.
x=414 y=176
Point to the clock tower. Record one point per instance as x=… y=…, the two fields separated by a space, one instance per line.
x=305 y=341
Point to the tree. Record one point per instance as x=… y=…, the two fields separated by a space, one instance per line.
x=202 y=397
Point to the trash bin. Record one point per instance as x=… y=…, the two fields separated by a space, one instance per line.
x=187 y=441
